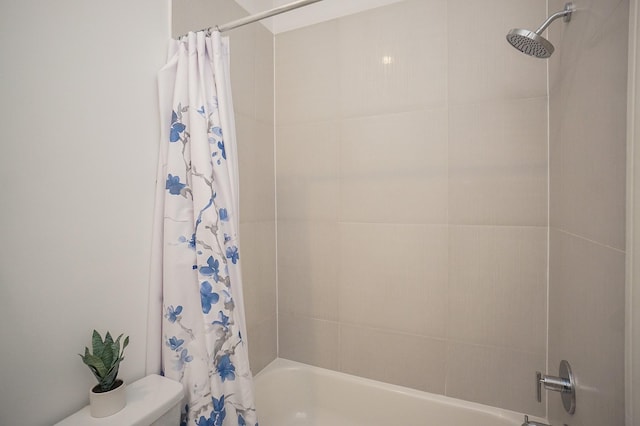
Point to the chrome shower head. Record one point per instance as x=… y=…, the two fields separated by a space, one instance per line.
x=531 y=42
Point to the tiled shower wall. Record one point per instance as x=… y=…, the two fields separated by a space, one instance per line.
x=588 y=107
x=412 y=198
x=252 y=86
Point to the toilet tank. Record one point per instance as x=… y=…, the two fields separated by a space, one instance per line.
x=151 y=401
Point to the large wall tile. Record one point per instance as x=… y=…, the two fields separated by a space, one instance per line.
x=393 y=58
x=264 y=75
x=586 y=314
x=263 y=344
x=588 y=178
x=243 y=63
x=498 y=163
x=256 y=166
x=307 y=85
x=394 y=277
x=494 y=376
x=406 y=360
x=393 y=168
x=308 y=340
x=308 y=269
x=482 y=64
x=498 y=286
x=307 y=171
x=588 y=106
x=258 y=261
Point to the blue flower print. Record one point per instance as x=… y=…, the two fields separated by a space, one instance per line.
x=223 y=214
x=174 y=343
x=173 y=314
x=176 y=128
x=212 y=269
x=219 y=410
x=174 y=185
x=217 y=131
x=232 y=253
x=191 y=241
x=226 y=369
x=221 y=146
x=217 y=415
x=201 y=110
x=211 y=421
x=207 y=296
x=182 y=360
x=227 y=238
x=222 y=320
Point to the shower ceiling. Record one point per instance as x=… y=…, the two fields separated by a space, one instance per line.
x=309 y=15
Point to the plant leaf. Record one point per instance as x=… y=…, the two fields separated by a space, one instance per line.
x=108 y=381
x=108 y=340
x=119 y=337
x=98 y=345
x=108 y=356
x=118 y=342
x=96 y=363
x=95 y=373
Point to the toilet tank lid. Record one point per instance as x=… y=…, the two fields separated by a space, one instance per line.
x=147 y=400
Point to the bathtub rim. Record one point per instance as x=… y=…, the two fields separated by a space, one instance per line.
x=280 y=364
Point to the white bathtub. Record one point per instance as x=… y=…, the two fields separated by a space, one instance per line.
x=293 y=394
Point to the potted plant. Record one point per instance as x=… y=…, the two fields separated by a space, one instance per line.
x=108 y=396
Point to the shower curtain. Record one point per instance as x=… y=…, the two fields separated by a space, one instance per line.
x=197 y=333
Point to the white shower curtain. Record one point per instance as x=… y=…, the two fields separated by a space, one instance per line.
x=197 y=332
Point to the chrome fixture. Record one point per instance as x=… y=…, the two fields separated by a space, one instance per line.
x=258 y=16
x=531 y=42
x=528 y=422
x=565 y=384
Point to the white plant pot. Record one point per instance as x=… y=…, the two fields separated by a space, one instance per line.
x=103 y=404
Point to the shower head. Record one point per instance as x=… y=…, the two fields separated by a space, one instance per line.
x=531 y=42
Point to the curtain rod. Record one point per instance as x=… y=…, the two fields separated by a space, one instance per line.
x=260 y=16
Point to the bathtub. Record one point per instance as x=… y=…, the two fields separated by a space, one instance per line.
x=292 y=394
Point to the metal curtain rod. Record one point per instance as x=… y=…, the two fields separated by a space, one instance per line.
x=260 y=16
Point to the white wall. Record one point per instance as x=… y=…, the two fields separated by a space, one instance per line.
x=77 y=162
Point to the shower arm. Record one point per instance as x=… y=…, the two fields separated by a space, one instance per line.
x=569 y=8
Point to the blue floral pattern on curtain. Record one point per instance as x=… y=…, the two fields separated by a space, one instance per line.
x=203 y=337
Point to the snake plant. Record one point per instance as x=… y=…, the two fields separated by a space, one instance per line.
x=105 y=360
